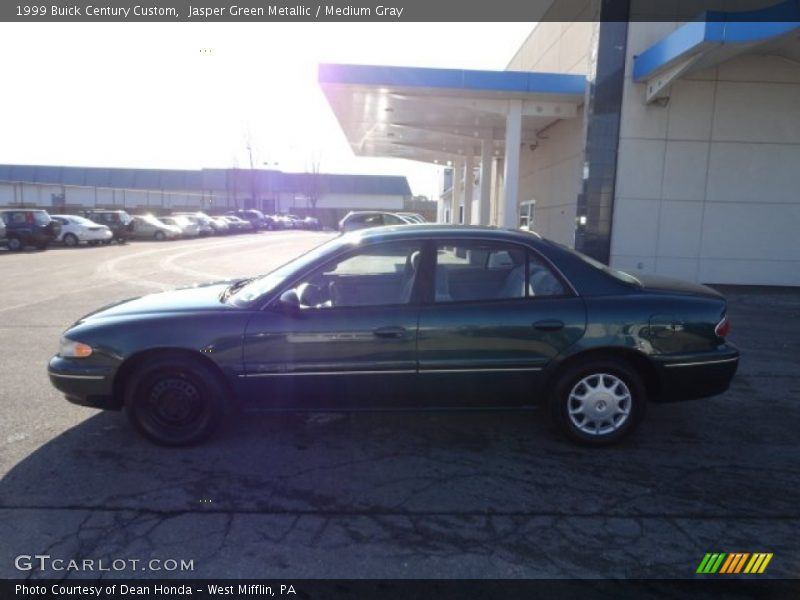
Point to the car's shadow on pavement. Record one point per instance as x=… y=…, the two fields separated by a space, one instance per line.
x=416 y=463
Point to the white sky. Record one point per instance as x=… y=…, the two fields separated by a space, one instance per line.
x=144 y=95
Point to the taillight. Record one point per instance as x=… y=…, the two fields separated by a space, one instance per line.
x=723 y=328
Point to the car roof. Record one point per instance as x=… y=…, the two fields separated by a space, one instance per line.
x=354 y=213
x=438 y=230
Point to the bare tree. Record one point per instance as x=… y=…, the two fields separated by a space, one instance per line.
x=253 y=174
x=314 y=184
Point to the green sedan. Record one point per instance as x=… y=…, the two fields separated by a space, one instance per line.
x=423 y=317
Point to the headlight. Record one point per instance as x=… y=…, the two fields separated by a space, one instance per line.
x=71 y=349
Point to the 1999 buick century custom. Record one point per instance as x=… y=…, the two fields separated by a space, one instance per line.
x=411 y=317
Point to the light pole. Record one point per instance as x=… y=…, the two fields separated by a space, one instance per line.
x=270 y=186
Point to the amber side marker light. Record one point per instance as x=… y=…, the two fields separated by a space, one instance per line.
x=72 y=349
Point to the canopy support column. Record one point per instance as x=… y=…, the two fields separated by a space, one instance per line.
x=469 y=184
x=487 y=145
x=509 y=217
x=458 y=191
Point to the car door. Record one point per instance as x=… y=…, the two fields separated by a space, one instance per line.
x=349 y=343
x=64 y=227
x=496 y=314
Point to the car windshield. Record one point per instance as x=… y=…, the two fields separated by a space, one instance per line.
x=616 y=274
x=256 y=288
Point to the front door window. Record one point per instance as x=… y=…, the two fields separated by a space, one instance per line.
x=381 y=275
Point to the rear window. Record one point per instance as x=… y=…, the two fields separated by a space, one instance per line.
x=40 y=217
x=616 y=274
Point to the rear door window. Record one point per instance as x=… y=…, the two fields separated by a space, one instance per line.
x=479 y=271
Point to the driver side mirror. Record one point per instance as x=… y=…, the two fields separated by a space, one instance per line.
x=289 y=301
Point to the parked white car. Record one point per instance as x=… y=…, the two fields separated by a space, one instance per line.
x=238 y=225
x=149 y=228
x=364 y=219
x=188 y=229
x=220 y=225
x=75 y=229
x=202 y=220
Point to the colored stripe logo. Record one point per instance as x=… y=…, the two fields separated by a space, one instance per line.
x=734 y=563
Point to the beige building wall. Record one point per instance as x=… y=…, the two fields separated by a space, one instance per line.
x=550 y=174
x=707 y=186
x=560 y=42
x=550 y=170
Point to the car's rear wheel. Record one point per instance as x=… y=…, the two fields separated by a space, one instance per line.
x=174 y=401
x=598 y=401
x=159 y=236
x=70 y=240
x=15 y=244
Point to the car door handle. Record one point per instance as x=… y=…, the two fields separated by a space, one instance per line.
x=390 y=332
x=549 y=325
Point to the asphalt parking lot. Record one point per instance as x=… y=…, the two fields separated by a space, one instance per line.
x=383 y=495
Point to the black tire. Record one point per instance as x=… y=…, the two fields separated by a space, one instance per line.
x=70 y=240
x=617 y=395
x=15 y=244
x=107 y=242
x=174 y=401
x=159 y=236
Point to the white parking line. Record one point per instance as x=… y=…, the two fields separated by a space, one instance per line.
x=168 y=263
x=110 y=269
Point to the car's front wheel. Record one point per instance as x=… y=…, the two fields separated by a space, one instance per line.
x=15 y=244
x=598 y=401
x=174 y=401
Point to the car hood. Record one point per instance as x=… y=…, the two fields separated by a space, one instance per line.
x=191 y=299
x=657 y=283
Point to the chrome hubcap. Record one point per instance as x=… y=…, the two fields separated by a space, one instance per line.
x=599 y=404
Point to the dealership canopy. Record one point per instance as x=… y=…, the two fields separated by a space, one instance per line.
x=445 y=115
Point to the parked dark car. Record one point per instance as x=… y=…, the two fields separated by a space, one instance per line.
x=255 y=217
x=29 y=227
x=418 y=316
x=118 y=221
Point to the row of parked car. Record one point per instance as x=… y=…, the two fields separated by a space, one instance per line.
x=363 y=219
x=21 y=227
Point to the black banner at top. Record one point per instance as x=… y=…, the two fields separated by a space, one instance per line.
x=391 y=10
